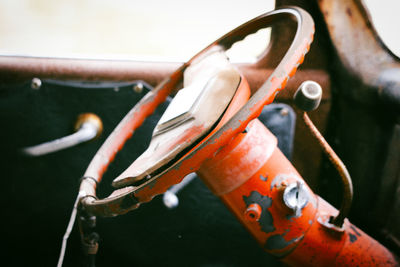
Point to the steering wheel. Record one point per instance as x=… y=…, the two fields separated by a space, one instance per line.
x=234 y=120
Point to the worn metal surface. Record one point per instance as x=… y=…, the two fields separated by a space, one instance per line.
x=16 y=68
x=340 y=167
x=356 y=40
x=130 y=197
x=281 y=237
x=361 y=131
x=279 y=229
x=365 y=112
x=213 y=81
x=346 y=246
x=282 y=213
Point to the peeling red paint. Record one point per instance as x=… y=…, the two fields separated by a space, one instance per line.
x=306 y=239
x=231 y=124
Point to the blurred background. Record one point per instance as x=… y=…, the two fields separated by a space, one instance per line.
x=171 y=30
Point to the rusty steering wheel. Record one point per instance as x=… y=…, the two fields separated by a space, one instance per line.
x=130 y=197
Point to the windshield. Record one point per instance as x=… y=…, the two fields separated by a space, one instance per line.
x=171 y=30
x=384 y=17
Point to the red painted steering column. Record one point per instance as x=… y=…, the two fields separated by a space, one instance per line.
x=268 y=196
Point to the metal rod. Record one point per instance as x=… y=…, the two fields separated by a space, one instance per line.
x=88 y=127
x=340 y=167
x=170 y=198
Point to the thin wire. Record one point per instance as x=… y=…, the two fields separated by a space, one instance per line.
x=68 y=231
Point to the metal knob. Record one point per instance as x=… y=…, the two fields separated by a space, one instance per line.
x=170 y=198
x=308 y=96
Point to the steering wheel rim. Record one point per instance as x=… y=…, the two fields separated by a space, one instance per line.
x=128 y=198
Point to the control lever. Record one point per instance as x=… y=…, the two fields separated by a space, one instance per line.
x=170 y=198
x=307 y=98
x=88 y=126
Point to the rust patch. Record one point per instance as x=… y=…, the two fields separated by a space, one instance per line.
x=353 y=238
x=348 y=11
x=264 y=178
x=278 y=242
x=266 y=220
x=355 y=230
x=233 y=126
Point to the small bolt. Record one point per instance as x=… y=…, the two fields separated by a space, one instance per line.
x=36 y=83
x=138 y=88
x=253 y=212
x=295 y=197
x=284 y=112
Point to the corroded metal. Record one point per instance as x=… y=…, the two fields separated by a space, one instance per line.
x=340 y=167
x=355 y=40
x=129 y=198
x=282 y=213
x=366 y=112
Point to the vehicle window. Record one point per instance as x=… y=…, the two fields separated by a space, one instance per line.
x=171 y=30
x=384 y=16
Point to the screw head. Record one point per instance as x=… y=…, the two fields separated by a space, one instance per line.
x=284 y=112
x=295 y=197
x=138 y=88
x=36 y=83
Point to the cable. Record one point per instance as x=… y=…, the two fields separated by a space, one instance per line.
x=69 y=230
